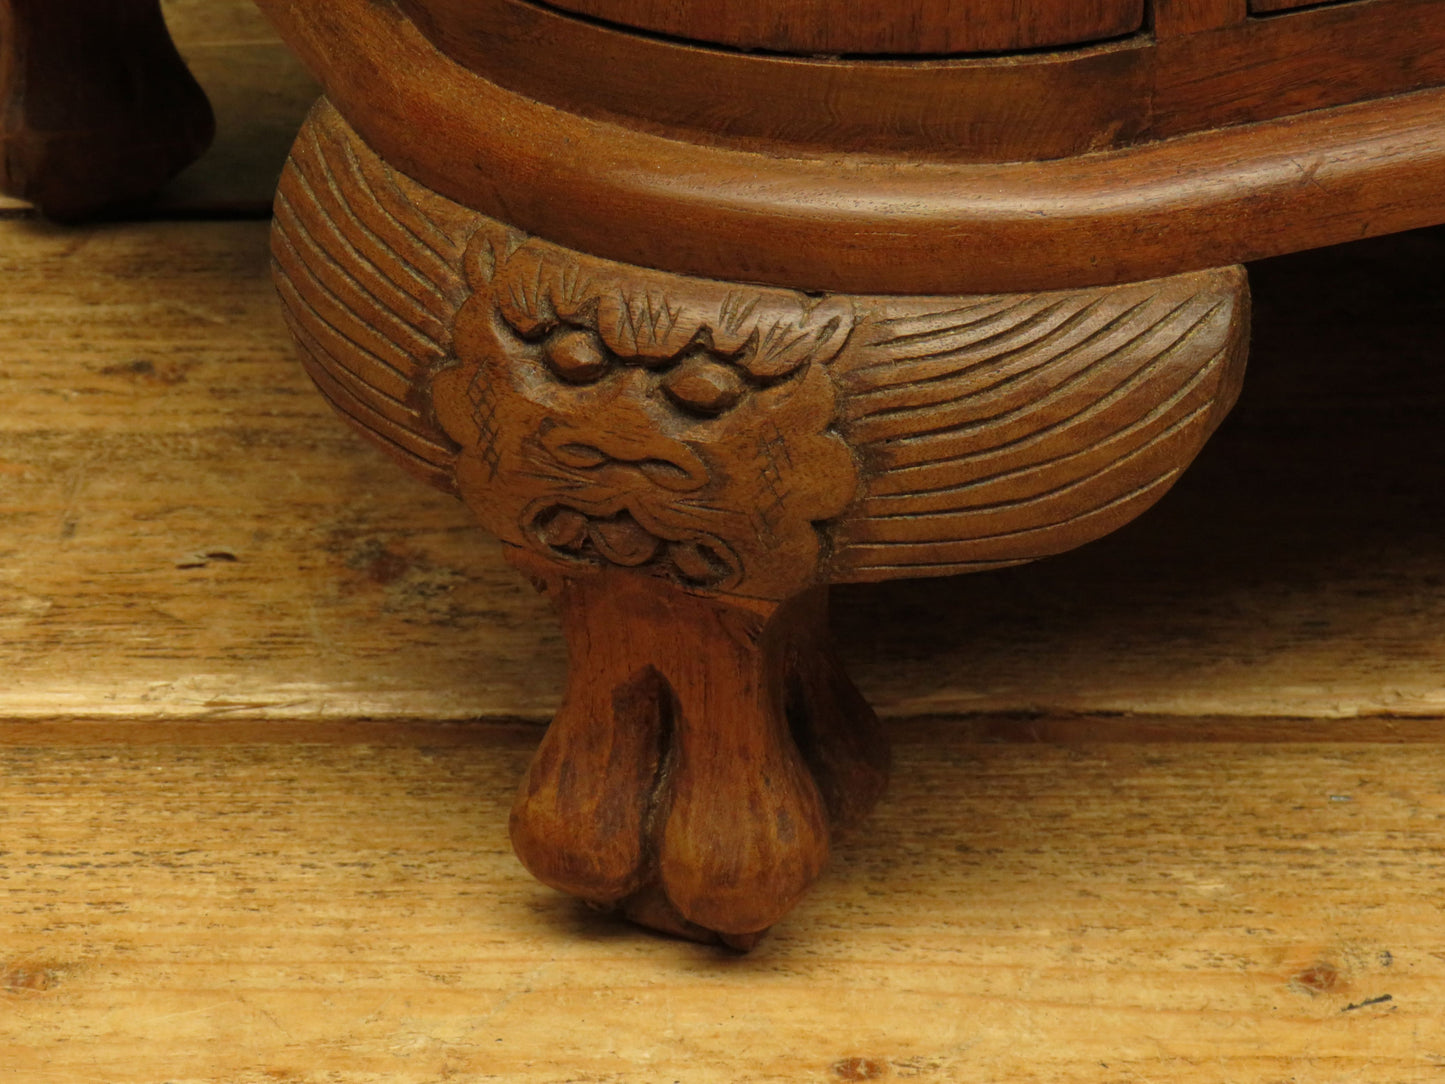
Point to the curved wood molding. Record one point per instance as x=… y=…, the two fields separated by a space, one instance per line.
x=873 y=26
x=1025 y=106
x=974 y=109
x=872 y=225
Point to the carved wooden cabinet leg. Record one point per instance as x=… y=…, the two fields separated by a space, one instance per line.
x=685 y=463
x=703 y=750
x=98 y=107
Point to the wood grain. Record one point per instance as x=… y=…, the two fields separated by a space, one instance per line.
x=1206 y=66
x=874 y=27
x=370 y=287
x=705 y=755
x=163 y=346
x=1326 y=56
x=874 y=225
x=685 y=463
x=223 y=889
x=310 y=907
x=933 y=108
x=154 y=414
x=1172 y=18
x=994 y=430
x=658 y=452
x=260 y=94
x=1265 y=7
x=589 y=411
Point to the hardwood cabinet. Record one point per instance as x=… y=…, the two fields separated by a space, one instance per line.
x=699 y=321
x=716 y=321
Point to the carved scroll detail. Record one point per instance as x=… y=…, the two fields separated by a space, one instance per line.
x=369 y=267
x=995 y=430
x=593 y=412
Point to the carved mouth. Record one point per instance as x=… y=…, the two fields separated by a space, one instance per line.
x=619 y=539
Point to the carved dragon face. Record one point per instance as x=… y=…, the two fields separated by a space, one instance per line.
x=613 y=414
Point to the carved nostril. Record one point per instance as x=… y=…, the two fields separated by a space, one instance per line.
x=699 y=563
x=677 y=469
x=670 y=475
x=575 y=454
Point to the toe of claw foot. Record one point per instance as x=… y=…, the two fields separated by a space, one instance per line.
x=696 y=792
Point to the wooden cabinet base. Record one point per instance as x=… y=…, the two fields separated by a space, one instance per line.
x=686 y=463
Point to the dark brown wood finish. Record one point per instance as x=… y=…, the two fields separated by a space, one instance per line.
x=1033 y=106
x=1171 y=18
x=1040 y=106
x=685 y=463
x=1309 y=60
x=96 y=106
x=697 y=333
x=867 y=224
x=872 y=27
x=1267 y=7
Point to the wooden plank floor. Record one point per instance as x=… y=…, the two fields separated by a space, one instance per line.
x=1166 y=809
x=183 y=905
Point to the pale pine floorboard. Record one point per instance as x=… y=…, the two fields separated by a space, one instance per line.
x=1166 y=809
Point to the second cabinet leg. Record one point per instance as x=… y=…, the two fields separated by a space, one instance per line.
x=97 y=108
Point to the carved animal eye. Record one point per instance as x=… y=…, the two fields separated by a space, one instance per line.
x=576 y=355
x=704 y=386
